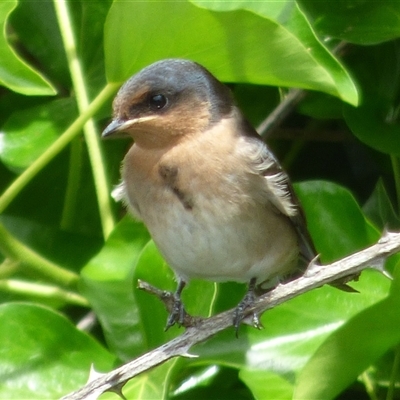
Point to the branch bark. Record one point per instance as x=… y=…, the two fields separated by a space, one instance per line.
x=203 y=329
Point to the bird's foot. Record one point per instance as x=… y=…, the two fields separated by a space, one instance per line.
x=177 y=315
x=173 y=304
x=240 y=313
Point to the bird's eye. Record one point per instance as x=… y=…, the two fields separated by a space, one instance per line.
x=157 y=102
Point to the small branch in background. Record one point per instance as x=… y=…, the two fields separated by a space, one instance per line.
x=285 y=107
x=203 y=329
x=321 y=135
x=87 y=323
x=289 y=102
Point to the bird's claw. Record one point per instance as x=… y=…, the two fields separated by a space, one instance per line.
x=240 y=313
x=177 y=314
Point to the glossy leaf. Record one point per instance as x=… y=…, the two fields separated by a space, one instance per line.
x=290 y=18
x=196 y=297
x=380 y=209
x=352 y=348
x=108 y=284
x=213 y=39
x=375 y=122
x=15 y=73
x=50 y=55
x=332 y=212
x=28 y=133
x=69 y=249
x=267 y=385
x=151 y=385
x=43 y=355
x=369 y=125
x=362 y=22
x=135 y=320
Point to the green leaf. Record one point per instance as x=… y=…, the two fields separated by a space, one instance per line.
x=196 y=297
x=370 y=124
x=15 y=73
x=356 y=21
x=153 y=269
x=352 y=348
x=288 y=16
x=43 y=356
x=380 y=210
x=321 y=106
x=107 y=281
x=214 y=39
x=332 y=212
x=41 y=41
x=376 y=121
x=134 y=320
x=151 y=385
x=293 y=332
x=69 y=249
x=267 y=385
x=28 y=133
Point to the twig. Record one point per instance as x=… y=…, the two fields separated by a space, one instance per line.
x=284 y=108
x=203 y=329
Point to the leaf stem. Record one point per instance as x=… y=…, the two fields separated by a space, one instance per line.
x=90 y=133
x=42 y=291
x=17 y=251
x=396 y=174
x=394 y=373
x=73 y=130
x=8 y=267
x=213 y=300
x=74 y=178
x=369 y=385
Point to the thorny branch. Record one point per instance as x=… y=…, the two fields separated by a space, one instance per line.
x=203 y=329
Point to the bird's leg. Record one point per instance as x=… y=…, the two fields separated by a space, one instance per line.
x=247 y=302
x=178 y=313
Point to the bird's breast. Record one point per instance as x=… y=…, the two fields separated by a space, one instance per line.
x=202 y=214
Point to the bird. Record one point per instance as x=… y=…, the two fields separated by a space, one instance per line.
x=214 y=198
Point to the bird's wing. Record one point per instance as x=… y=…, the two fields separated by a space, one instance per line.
x=279 y=191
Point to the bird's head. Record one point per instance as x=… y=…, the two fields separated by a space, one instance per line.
x=168 y=100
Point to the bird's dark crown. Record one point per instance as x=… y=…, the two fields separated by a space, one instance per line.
x=172 y=84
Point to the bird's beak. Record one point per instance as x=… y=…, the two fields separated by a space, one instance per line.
x=117 y=127
x=114 y=128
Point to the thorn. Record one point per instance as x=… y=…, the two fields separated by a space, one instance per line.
x=188 y=355
x=312 y=267
x=379 y=266
x=343 y=286
x=93 y=374
x=386 y=236
x=118 y=390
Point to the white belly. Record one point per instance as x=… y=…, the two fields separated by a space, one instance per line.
x=212 y=224
x=217 y=242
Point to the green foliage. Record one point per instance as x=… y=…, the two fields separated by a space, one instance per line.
x=63 y=253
